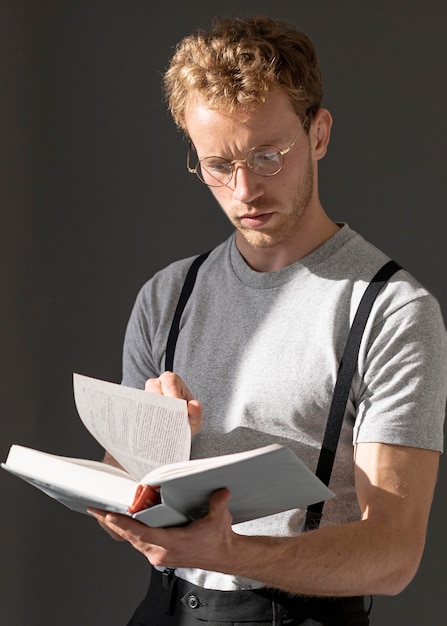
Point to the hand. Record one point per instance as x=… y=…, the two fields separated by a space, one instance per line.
x=169 y=384
x=115 y=536
x=203 y=543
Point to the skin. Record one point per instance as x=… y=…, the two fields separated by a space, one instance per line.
x=279 y=220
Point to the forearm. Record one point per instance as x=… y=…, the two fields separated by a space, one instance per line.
x=377 y=555
x=360 y=558
x=348 y=560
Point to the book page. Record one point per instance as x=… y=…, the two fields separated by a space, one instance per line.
x=165 y=473
x=141 y=430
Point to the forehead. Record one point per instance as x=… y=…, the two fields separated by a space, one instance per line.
x=270 y=120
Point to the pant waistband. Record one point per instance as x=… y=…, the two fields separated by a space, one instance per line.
x=249 y=605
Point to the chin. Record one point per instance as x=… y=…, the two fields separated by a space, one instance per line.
x=261 y=240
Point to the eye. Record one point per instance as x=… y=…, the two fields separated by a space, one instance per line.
x=216 y=165
x=265 y=158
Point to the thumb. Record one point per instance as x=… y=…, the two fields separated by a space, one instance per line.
x=195 y=414
x=219 y=501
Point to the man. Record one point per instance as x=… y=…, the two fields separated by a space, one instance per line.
x=259 y=347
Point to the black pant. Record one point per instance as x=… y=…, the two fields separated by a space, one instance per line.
x=178 y=603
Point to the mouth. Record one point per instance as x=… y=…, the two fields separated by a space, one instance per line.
x=255 y=221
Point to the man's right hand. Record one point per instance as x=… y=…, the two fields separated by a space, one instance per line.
x=170 y=384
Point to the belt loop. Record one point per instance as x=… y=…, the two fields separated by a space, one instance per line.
x=168 y=579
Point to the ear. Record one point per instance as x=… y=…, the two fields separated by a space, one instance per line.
x=320 y=133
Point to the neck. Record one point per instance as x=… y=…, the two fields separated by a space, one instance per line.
x=280 y=255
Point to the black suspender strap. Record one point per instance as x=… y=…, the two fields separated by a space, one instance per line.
x=188 y=286
x=343 y=385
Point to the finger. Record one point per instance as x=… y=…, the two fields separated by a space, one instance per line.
x=153 y=385
x=110 y=532
x=219 y=514
x=118 y=524
x=101 y=519
x=168 y=384
x=219 y=502
x=172 y=385
x=195 y=414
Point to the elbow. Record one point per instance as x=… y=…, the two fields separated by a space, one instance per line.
x=402 y=572
x=399 y=584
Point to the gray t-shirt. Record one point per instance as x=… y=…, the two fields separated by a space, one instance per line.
x=261 y=352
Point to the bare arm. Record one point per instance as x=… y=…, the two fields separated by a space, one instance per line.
x=378 y=554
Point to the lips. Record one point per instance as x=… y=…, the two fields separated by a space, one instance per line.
x=256 y=221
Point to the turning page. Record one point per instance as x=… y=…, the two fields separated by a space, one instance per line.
x=141 y=430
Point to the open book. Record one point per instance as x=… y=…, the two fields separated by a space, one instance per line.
x=149 y=435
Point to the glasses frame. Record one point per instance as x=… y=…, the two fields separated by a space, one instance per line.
x=194 y=170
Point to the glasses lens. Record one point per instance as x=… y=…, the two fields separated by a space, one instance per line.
x=214 y=171
x=265 y=160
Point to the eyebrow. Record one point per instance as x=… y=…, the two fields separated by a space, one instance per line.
x=243 y=155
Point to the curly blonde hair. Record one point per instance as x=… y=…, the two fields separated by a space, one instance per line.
x=238 y=61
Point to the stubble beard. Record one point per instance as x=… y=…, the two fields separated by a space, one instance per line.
x=288 y=221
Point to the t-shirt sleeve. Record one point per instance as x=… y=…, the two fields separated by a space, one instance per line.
x=149 y=324
x=138 y=363
x=402 y=382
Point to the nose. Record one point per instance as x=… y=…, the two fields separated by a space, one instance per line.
x=247 y=185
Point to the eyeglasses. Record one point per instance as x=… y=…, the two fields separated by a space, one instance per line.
x=216 y=171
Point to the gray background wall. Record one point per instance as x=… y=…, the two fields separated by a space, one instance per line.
x=94 y=197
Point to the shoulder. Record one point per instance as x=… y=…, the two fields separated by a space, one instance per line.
x=359 y=260
x=162 y=290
